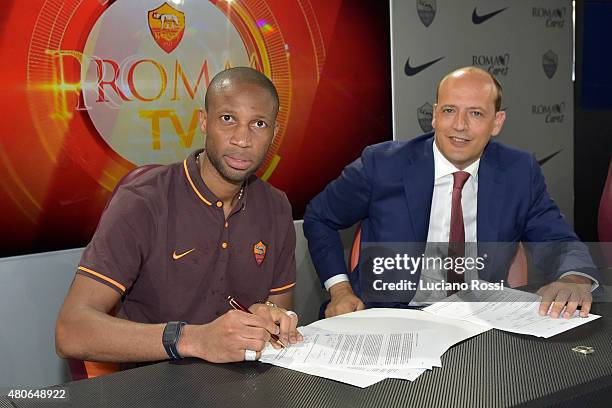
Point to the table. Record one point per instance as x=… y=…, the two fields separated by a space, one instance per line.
x=494 y=369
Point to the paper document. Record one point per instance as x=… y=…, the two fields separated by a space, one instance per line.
x=365 y=347
x=409 y=374
x=510 y=310
x=380 y=350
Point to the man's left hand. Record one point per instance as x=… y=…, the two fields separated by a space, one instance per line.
x=287 y=321
x=567 y=292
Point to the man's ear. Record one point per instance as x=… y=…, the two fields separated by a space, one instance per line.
x=500 y=117
x=275 y=130
x=202 y=119
x=433 y=117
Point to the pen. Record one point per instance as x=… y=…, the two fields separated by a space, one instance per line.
x=238 y=306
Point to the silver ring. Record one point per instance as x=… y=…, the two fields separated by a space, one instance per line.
x=250 y=355
x=290 y=313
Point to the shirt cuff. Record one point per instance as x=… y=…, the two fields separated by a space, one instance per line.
x=594 y=285
x=335 y=279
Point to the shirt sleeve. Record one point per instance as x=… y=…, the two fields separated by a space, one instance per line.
x=285 y=273
x=121 y=242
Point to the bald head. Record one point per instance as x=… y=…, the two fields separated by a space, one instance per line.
x=479 y=72
x=240 y=75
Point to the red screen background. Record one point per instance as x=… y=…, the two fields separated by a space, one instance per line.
x=53 y=189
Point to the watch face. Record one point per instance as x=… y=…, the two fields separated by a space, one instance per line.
x=169 y=331
x=170 y=338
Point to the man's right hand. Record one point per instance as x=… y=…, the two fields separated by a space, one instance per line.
x=226 y=338
x=343 y=300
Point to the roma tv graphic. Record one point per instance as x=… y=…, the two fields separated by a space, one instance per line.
x=100 y=87
x=144 y=96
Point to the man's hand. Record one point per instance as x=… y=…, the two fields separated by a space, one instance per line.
x=226 y=338
x=343 y=300
x=568 y=292
x=286 y=320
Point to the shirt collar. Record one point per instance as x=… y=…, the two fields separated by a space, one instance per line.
x=443 y=167
x=201 y=190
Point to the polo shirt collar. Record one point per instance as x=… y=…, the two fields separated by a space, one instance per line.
x=443 y=167
x=202 y=192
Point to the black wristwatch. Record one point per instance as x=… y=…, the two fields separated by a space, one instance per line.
x=170 y=338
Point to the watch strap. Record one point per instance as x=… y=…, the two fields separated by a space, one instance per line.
x=170 y=338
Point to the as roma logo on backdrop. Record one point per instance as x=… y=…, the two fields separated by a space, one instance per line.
x=550 y=61
x=167 y=26
x=259 y=250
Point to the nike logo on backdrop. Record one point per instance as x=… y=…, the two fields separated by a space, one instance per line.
x=176 y=256
x=476 y=19
x=547 y=158
x=410 y=71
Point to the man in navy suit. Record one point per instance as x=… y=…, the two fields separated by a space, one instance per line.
x=401 y=191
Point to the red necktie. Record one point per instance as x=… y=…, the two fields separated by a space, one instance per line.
x=456 y=238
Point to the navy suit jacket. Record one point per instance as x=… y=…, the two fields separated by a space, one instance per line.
x=389 y=190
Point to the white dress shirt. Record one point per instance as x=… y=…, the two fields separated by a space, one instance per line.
x=440 y=215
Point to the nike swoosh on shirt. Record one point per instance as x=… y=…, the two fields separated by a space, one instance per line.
x=176 y=256
x=476 y=19
x=410 y=71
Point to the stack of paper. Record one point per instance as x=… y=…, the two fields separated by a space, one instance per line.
x=365 y=347
x=510 y=310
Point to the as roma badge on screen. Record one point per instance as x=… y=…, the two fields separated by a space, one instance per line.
x=167 y=26
x=259 y=250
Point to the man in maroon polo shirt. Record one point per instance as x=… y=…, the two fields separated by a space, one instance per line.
x=177 y=241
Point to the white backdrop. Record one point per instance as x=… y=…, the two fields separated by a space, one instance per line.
x=528 y=45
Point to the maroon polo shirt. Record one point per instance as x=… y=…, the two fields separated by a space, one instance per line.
x=165 y=246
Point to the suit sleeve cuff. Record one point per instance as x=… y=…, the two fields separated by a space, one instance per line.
x=594 y=285
x=335 y=279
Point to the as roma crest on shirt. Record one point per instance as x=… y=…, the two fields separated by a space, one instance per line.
x=259 y=250
x=167 y=26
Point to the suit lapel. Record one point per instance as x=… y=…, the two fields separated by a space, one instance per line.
x=418 y=181
x=491 y=195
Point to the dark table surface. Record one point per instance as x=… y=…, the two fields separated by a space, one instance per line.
x=494 y=369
